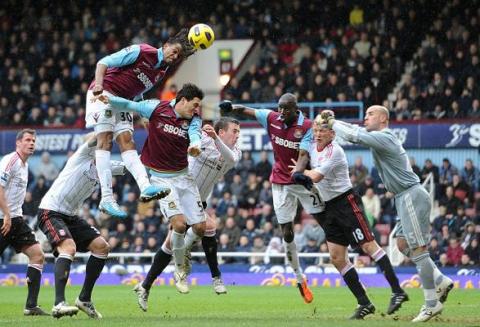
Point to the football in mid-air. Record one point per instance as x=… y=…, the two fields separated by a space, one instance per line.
x=201 y=36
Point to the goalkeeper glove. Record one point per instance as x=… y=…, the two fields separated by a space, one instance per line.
x=302 y=179
x=225 y=108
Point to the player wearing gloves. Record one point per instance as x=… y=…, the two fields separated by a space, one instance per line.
x=290 y=134
x=411 y=200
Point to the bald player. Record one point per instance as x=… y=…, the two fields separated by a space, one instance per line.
x=290 y=133
x=411 y=200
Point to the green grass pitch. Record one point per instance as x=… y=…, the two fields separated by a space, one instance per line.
x=242 y=306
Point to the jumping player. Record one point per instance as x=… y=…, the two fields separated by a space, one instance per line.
x=174 y=130
x=289 y=133
x=127 y=73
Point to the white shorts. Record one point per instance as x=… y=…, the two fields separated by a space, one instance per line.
x=184 y=198
x=285 y=198
x=102 y=118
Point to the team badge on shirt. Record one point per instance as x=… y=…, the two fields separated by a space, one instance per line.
x=298 y=133
x=172 y=205
x=108 y=113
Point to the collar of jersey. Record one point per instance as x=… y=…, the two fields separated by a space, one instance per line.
x=160 y=57
x=172 y=104
x=299 y=122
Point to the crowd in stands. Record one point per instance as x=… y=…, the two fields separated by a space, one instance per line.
x=243 y=207
x=333 y=50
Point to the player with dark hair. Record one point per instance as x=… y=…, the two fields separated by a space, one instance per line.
x=411 y=200
x=127 y=73
x=14 y=230
x=289 y=133
x=344 y=219
x=174 y=131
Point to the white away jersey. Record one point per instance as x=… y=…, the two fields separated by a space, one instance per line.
x=212 y=163
x=332 y=163
x=14 y=179
x=75 y=183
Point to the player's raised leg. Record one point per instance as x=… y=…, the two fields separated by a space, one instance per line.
x=132 y=161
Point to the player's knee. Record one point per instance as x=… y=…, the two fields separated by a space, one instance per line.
x=288 y=234
x=370 y=247
x=100 y=247
x=338 y=261
x=105 y=141
x=67 y=246
x=179 y=224
x=36 y=256
x=200 y=229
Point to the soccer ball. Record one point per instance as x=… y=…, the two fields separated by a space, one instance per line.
x=201 y=36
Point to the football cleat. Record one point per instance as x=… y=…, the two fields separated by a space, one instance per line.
x=142 y=296
x=181 y=281
x=111 y=208
x=362 y=311
x=396 y=302
x=35 y=311
x=427 y=313
x=305 y=291
x=63 y=309
x=88 y=308
x=444 y=288
x=154 y=192
x=218 y=286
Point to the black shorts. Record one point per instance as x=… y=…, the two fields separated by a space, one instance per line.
x=345 y=221
x=19 y=236
x=58 y=227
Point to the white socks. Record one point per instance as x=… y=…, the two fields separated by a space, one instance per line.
x=102 y=161
x=178 y=248
x=190 y=238
x=132 y=161
x=292 y=257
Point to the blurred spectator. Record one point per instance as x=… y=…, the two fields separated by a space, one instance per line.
x=454 y=252
x=371 y=203
x=415 y=168
x=232 y=231
x=274 y=247
x=47 y=168
x=470 y=175
x=359 y=170
x=473 y=251
x=450 y=201
x=263 y=168
x=310 y=247
x=225 y=245
x=435 y=250
x=258 y=247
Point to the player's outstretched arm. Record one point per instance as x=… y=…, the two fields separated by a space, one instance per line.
x=228 y=154
x=238 y=110
x=143 y=108
x=356 y=134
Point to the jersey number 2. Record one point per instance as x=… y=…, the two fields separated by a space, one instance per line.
x=316 y=199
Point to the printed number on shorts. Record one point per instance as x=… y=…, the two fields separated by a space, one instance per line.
x=126 y=116
x=358 y=234
x=316 y=199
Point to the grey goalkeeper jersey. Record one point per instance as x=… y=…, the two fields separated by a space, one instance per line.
x=388 y=153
